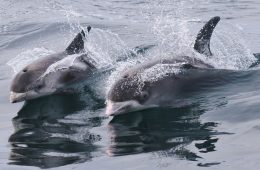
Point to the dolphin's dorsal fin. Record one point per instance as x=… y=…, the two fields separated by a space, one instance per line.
x=77 y=45
x=202 y=44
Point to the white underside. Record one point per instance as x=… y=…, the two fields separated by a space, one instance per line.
x=19 y=97
x=117 y=108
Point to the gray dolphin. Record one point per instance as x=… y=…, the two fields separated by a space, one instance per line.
x=139 y=88
x=35 y=81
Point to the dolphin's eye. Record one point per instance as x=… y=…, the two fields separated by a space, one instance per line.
x=143 y=97
x=69 y=77
x=38 y=87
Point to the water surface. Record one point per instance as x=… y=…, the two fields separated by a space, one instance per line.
x=218 y=129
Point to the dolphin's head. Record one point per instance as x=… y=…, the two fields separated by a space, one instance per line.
x=141 y=88
x=28 y=84
x=128 y=94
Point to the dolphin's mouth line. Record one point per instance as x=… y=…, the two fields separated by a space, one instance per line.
x=17 y=97
x=117 y=108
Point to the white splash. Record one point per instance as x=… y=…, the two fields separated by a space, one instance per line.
x=160 y=71
x=174 y=31
x=106 y=46
x=229 y=49
x=27 y=57
x=62 y=64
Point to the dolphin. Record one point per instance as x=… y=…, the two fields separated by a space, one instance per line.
x=40 y=77
x=140 y=88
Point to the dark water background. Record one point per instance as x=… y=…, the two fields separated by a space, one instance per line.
x=219 y=129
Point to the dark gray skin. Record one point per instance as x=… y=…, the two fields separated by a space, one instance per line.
x=31 y=83
x=132 y=93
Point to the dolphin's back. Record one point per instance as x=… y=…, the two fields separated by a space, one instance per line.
x=181 y=61
x=43 y=63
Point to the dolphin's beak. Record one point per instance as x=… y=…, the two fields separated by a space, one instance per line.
x=29 y=95
x=116 y=108
x=17 y=97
